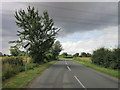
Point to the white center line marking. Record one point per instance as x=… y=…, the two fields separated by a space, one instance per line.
x=79 y=82
x=68 y=68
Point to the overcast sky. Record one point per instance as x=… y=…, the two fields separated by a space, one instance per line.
x=85 y=26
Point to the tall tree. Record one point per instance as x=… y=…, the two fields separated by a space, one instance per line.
x=76 y=55
x=83 y=54
x=64 y=54
x=14 y=51
x=89 y=55
x=56 y=49
x=38 y=30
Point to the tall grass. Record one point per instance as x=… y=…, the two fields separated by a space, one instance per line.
x=22 y=79
x=14 y=65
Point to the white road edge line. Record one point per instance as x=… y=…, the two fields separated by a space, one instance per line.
x=79 y=82
x=68 y=68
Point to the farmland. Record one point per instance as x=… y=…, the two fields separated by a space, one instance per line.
x=24 y=58
x=15 y=65
x=88 y=59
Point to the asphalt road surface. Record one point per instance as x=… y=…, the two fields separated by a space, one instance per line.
x=68 y=74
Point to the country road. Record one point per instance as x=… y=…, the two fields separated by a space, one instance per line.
x=68 y=74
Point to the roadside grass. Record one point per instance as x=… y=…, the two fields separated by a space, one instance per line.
x=107 y=71
x=22 y=79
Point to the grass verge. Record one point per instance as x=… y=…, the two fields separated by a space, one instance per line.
x=107 y=71
x=22 y=79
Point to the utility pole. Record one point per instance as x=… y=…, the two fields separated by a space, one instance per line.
x=26 y=62
x=26 y=48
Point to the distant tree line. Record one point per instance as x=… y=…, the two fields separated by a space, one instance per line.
x=3 y=55
x=83 y=54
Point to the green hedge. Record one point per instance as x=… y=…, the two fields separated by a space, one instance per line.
x=107 y=58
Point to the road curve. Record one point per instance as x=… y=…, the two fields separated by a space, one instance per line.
x=68 y=74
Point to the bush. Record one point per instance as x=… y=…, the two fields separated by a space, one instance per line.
x=48 y=57
x=9 y=70
x=14 y=65
x=107 y=58
x=13 y=61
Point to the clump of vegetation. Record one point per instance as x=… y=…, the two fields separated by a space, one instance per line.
x=14 y=65
x=22 y=79
x=13 y=61
x=84 y=54
x=76 y=55
x=54 y=51
x=66 y=55
x=107 y=58
x=11 y=66
x=14 y=51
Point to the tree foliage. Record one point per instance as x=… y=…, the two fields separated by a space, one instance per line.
x=14 y=51
x=53 y=53
x=38 y=30
x=84 y=54
x=76 y=55
x=56 y=49
x=64 y=54
x=107 y=58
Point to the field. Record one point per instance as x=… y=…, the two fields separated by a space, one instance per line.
x=88 y=59
x=24 y=59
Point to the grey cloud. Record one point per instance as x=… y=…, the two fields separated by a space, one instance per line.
x=71 y=17
x=83 y=16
